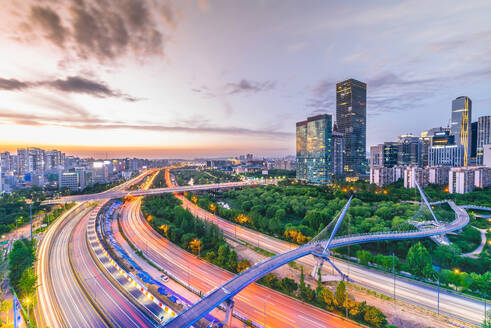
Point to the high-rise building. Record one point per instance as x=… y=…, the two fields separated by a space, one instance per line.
x=483 y=137
x=337 y=154
x=351 y=119
x=377 y=156
x=391 y=153
x=461 y=125
x=486 y=158
x=409 y=150
x=444 y=151
x=314 y=149
x=414 y=173
x=460 y=180
x=438 y=175
x=473 y=155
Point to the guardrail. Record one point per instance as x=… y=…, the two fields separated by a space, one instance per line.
x=104 y=257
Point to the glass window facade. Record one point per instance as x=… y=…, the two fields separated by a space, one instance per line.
x=460 y=126
x=314 y=150
x=351 y=120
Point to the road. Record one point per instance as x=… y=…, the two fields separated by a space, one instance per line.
x=281 y=310
x=72 y=290
x=424 y=295
x=113 y=194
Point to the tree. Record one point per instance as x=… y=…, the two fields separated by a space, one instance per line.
x=374 y=316
x=364 y=256
x=327 y=298
x=196 y=246
x=27 y=283
x=288 y=285
x=243 y=265
x=340 y=296
x=419 y=261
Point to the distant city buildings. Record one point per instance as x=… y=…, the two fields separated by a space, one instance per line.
x=337 y=154
x=351 y=120
x=314 y=149
x=52 y=168
x=438 y=154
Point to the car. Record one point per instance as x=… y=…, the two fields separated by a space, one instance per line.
x=164 y=278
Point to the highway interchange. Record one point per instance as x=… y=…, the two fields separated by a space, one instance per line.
x=74 y=292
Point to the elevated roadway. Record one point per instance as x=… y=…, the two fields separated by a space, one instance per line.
x=114 y=194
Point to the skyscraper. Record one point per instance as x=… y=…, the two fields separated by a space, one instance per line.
x=461 y=125
x=337 y=153
x=351 y=118
x=483 y=137
x=474 y=127
x=391 y=153
x=314 y=149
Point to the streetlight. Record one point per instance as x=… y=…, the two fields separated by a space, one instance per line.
x=27 y=301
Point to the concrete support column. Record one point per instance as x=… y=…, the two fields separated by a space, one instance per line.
x=228 y=314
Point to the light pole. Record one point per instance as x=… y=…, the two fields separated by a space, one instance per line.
x=265 y=300
x=27 y=300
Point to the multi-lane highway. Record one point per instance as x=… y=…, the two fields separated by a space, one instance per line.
x=73 y=291
x=281 y=311
x=454 y=305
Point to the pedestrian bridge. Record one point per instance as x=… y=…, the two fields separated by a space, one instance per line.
x=320 y=249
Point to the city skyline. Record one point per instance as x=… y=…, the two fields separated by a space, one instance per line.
x=197 y=84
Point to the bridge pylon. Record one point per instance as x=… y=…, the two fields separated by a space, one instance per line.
x=323 y=253
x=229 y=310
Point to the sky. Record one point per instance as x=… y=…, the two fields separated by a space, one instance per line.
x=204 y=78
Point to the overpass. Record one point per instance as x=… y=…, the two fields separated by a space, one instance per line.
x=226 y=292
x=114 y=194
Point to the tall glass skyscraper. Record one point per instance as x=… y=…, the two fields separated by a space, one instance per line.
x=351 y=119
x=460 y=126
x=314 y=149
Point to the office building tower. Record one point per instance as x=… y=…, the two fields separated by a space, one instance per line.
x=391 y=153
x=377 y=156
x=473 y=155
x=409 y=150
x=351 y=119
x=482 y=177
x=483 y=137
x=425 y=150
x=337 y=154
x=444 y=151
x=461 y=125
x=314 y=149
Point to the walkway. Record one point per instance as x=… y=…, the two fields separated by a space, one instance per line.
x=475 y=253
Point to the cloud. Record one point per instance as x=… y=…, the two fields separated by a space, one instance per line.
x=12 y=84
x=248 y=86
x=102 y=30
x=81 y=122
x=50 y=23
x=71 y=84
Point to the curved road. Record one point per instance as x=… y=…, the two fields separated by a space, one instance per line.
x=282 y=311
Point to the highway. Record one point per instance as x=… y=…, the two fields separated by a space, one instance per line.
x=282 y=311
x=451 y=304
x=72 y=290
x=113 y=194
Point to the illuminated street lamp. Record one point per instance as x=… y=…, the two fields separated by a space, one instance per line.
x=27 y=301
x=456 y=270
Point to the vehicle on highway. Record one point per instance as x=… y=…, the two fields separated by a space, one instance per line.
x=164 y=278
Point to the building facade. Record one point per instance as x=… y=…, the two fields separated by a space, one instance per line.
x=460 y=180
x=460 y=125
x=438 y=175
x=483 y=137
x=337 y=154
x=414 y=173
x=391 y=153
x=377 y=156
x=314 y=149
x=351 y=119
